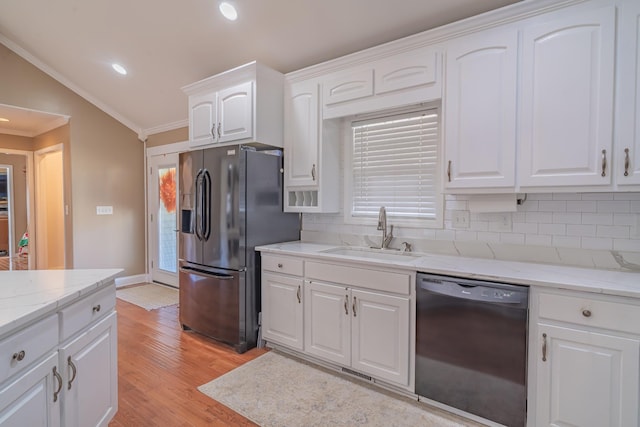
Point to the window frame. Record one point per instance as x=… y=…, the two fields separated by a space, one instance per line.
x=347 y=138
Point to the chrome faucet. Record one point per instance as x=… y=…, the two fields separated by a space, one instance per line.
x=382 y=226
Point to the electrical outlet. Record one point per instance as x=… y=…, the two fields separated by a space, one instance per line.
x=460 y=219
x=104 y=210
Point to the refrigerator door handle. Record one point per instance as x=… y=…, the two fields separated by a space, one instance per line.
x=205 y=273
x=198 y=205
x=206 y=208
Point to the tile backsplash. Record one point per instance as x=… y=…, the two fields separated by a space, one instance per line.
x=600 y=230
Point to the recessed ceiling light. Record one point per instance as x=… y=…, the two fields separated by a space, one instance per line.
x=119 y=69
x=2 y=119
x=228 y=11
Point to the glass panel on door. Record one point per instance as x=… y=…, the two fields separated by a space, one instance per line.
x=167 y=257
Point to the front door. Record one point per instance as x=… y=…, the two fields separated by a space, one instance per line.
x=163 y=225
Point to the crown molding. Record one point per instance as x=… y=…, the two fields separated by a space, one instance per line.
x=166 y=127
x=33 y=60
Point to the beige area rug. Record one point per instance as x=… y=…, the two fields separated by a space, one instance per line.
x=150 y=296
x=277 y=390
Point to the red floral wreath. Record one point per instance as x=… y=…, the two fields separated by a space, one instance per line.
x=168 y=190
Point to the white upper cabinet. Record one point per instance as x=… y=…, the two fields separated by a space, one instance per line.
x=627 y=149
x=238 y=106
x=480 y=110
x=566 y=110
x=235 y=112
x=311 y=149
x=302 y=133
x=397 y=80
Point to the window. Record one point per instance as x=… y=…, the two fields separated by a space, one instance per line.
x=394 y=163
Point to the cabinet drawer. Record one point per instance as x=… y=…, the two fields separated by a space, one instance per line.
x=590 y=312
x=281 y=264
x=25 y=347
x=80 y=314
x=348 y=86
x=399 y=283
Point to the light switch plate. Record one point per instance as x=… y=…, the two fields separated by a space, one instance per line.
x=104 y=210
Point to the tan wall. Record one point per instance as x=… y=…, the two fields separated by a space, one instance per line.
x=20 y=214
x=57 y=136
x=169 y=137
x=16 y=142
x=106 y=161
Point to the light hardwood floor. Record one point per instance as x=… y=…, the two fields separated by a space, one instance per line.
x=160 y=368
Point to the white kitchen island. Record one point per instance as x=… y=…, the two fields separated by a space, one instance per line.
x=58 y=347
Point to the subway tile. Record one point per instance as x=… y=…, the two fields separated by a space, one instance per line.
x=489 y=236
x=596 y=243
x=615 y=231
x=582 y=206
x=479 y=226
x=567 y=218
x=626 y=196
x=525 y=227
x=581 y=230
x=445 y=235
x=546 y=217
x=537 y=240
x=528 y=206
x=540 y=196
x=630 y=219
x=619 y=206
x=597 y=196
x=635 y=206
x=464 y=235
x=567 y=196
x=597 y=218
x=566 y=241
x=630 y=245
x=457 y=205
x=552 y=206
x=553 y=229
x=513 y=238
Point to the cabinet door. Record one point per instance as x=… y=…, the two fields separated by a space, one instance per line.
x=91 y=376
x=28 y=400
x=235 y=113
x=202 y=119
x=380 y=328
x=567 y=100
x=480 y=110
x=627 y=150
x=282 y=310
x=327 y=327
x=301 y=134
x=588 y=379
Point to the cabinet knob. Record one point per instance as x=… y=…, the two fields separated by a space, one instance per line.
x=19 y=355
x=586 y=313
x=279 y=265
x=96 y=308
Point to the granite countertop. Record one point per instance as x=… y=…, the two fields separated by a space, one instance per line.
x=609 y=282
x=29 y=295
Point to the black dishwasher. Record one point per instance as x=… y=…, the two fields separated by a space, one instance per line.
x=471 y=346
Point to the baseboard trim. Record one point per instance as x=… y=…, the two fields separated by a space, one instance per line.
x=131 y=280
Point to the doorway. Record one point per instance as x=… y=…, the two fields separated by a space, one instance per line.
x=50 y=224
x=163 y=222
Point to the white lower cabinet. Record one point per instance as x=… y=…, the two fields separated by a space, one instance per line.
x=89 y=361
x=282 y=310
x=366 y=331
x=32 y=399
x=586 y=372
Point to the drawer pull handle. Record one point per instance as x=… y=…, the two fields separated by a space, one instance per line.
x=544 y=347
x=354 y=306
x=346 y=305
x=19 y=356
x=96 y=308
x=279 y=265
x=73 y=371
x=59 y=378
x=604 y=163
x=626 y=162
x=298 y=295
x=586 y=313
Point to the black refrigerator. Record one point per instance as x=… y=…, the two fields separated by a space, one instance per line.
x=230 y=202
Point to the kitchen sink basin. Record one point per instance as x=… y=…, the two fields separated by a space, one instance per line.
x=371 y=253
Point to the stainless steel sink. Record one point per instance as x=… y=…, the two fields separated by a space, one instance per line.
x=371 y=253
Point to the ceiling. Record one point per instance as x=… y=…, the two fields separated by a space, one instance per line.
x=166 y=45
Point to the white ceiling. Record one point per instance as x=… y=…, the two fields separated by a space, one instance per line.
x=29 y=123
x=168 y=44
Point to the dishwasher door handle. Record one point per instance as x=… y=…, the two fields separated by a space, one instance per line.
x=479 y=293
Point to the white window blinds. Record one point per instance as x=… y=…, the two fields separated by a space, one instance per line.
x=395 y=165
